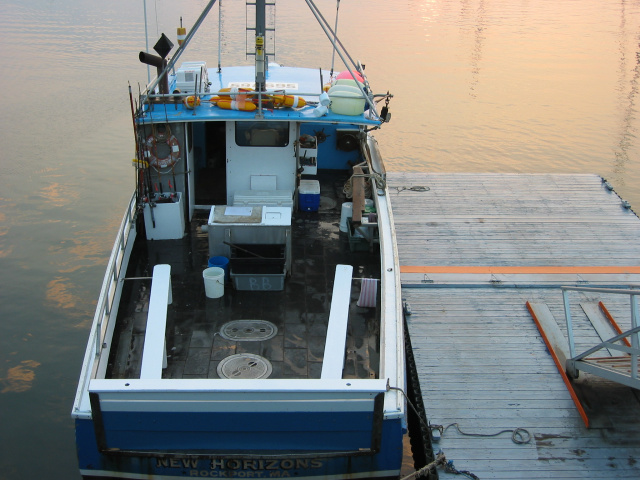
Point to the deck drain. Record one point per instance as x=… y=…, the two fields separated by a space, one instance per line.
x=248 y=330
x=244 y=365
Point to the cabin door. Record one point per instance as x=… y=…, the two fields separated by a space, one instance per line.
x=210 y=163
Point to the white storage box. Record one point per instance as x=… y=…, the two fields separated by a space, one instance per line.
x=189 y=75
x=168 y=217
x=251 y=198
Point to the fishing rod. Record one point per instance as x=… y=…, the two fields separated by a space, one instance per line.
x=135 y=137
x=147 y=178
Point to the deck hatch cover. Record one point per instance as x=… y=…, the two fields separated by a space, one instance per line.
x=245 y=366
x=248 y=330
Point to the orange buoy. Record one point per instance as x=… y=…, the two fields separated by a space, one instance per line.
x=292 y=101
x=191 y=102
x=182 y=33
x=242 y=105
x=233 y=90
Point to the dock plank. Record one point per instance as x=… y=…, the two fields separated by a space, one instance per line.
x=481 y=361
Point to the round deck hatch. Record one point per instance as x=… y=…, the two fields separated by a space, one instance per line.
x=248 y=330
x=244 y=366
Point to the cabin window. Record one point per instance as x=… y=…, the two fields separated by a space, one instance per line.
x=262 y=134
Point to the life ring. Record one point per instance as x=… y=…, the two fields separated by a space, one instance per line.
x=168 y=154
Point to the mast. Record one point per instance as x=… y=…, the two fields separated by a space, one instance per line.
x=260 y=36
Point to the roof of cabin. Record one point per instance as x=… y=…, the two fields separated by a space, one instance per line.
x=305 y=82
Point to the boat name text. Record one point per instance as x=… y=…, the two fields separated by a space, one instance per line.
x=239 y=468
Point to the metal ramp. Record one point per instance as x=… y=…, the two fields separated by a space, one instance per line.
x=615 y=358
x=618 y=368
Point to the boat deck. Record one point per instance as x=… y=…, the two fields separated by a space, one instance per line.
x=195 y=345
x=474 y=249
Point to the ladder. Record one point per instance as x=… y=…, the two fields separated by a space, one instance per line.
x=261 y=24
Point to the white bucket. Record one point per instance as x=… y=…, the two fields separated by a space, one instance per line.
x=213 y=282
x=347 y=212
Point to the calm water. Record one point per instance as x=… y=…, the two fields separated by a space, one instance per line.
x=480 y=85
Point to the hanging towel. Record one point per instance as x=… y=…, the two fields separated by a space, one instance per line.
x=368 y=292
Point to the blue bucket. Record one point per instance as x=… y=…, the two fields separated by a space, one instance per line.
x=220 y=262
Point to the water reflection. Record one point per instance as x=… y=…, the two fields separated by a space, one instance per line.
x=476 y=24
x=19 y=378
x=479 y=85
x=628 y=91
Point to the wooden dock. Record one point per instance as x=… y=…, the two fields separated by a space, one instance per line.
x=473 y=250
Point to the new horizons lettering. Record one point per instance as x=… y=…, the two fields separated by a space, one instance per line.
x=239 y=468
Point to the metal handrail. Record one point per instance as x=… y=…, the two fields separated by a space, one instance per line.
x=109 y=284
x=610 y=344
x=633 y=351
x=282 y=91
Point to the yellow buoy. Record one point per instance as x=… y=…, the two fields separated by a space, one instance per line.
x=242 y=105
x=190 y=102
x=292 y=101
x=182 y=33
x=234 y=90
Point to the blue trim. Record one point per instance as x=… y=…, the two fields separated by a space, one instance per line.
x=321 y=431
x=169 y=113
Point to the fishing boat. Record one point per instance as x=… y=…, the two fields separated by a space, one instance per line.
x=250 y=323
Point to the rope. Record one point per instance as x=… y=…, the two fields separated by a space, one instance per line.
x=449 y=468
x=519 y=435
x=348 y=186
x=440 y=460
x=440 y=457
x=417 y=188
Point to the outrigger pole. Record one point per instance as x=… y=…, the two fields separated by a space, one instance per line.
x=182 y=47
x=335 y=32
x=335 y=41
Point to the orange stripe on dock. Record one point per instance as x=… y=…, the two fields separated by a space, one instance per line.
x=520 y=269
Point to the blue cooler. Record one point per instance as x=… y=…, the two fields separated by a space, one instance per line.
x=309 y=195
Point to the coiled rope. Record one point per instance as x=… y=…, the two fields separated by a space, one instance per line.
x=519 y=436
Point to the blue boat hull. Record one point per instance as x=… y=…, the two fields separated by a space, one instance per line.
x=248 y=462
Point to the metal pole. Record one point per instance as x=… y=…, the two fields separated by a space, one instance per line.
x=335 y=34
x=219 y=35
x=146 y=40
x=329 y=32
x=182 y=47
x=260 y=39
x=567 y=314
x=634 y=337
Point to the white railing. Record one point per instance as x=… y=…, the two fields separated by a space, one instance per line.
x=579 y=362
x=110 y=282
